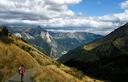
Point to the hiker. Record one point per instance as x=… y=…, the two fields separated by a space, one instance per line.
x=21 y=72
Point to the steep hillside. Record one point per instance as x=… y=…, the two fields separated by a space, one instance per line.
x=14 y=52
x=105 y=58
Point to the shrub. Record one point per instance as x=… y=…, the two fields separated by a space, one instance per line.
x=26 y=48
x=4 y=30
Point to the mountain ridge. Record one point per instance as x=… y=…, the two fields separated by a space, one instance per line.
x=62 y=42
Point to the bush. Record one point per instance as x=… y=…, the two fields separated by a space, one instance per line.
x=4 y=30
x=26 y=48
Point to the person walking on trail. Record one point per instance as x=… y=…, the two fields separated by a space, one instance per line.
x=21 y=72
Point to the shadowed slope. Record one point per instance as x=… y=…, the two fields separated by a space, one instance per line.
x=105 y=58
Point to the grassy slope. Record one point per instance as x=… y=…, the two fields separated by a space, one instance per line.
x=14 y=52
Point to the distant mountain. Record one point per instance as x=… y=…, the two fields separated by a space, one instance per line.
x=105 y=58
x=61 y=42
x=39 y=68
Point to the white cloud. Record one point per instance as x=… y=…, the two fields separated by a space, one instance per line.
x=61 y=2
x=56 y=13
x=124 y=5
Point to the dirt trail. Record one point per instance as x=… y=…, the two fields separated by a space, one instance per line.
x=27 y=77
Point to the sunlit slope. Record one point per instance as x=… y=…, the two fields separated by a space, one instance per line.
x=15 y=51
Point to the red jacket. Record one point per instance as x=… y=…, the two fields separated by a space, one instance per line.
x=21 y=70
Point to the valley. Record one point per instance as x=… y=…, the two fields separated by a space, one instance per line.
x=61 y=42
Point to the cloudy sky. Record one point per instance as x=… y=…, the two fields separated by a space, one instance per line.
x=96 y=16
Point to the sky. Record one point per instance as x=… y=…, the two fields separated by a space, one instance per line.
x=95 y=16
x=97 y=7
